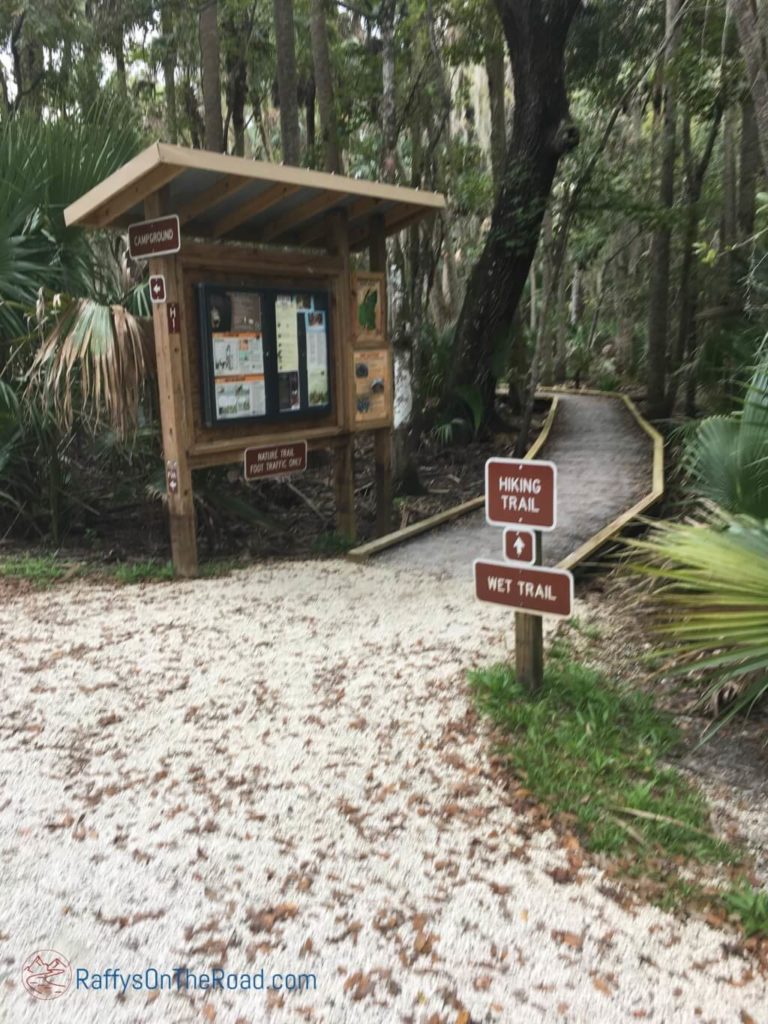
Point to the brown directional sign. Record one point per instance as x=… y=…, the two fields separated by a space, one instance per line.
x=528 y=589
x=159 y=237
x=275 y=460
x=520 y=493
x=520 y=546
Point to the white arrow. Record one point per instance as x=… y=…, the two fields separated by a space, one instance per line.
x=519 y=546
x=157 y=289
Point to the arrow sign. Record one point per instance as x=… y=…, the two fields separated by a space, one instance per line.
x=520 y=493
x=520 y=546
x=157 y=288
x=534 y=590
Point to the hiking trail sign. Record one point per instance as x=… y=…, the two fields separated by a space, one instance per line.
x=521 y=495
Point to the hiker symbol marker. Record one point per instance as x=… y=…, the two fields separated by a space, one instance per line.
x=520 y=546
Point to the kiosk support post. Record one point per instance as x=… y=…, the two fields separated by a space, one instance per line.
x=344 y=476
x=382 y=439
x=173 y=406
x=529 y=642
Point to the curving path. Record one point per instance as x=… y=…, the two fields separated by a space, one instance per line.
x=605 y=467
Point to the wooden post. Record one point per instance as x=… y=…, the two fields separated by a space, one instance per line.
x=174 y=405
x=382 y=439
x=529 y=642
x=344 y=475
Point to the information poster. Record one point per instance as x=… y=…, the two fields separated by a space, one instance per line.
x=265 y=353
x=238 y=367
x=317 y=357
x=372 y=385
x=287 y=332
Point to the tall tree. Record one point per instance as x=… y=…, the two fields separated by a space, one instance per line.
x=326 y=100
x=543 y=131
x=661 y=243
x=168 y=59
x=287 y=82
x=211 y=79
x=754 y=46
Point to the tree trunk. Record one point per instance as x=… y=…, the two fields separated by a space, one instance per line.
x=287 y=82
x=685 y=348
x=236 y=43
x=388 y=111
x=326 y=100
x=494 y=69
x=753 y=47
x=749 y=169
x=661 y=243
x=542 y=132
x=209 y=51
x=168 y=40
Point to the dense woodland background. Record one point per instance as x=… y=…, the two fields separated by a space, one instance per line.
x=604 y=164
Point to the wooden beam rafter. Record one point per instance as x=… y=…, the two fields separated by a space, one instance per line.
x=123 y=201
x=264 y=201
x=229 y=185
x=282 y=225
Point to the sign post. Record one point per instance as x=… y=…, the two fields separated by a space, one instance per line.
x=521 y=495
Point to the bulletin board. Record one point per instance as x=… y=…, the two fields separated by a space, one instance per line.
x=265 y=353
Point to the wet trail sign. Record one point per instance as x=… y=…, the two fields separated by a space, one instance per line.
x=534 y=590
x=520 y=493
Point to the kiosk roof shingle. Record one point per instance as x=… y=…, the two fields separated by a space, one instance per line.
x=233 y=198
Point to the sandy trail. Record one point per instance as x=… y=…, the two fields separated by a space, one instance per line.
x=279 y=770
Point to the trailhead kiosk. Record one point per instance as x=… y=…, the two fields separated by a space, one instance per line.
x=269 y=330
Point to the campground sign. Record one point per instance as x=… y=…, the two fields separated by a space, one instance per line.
x=160 y=237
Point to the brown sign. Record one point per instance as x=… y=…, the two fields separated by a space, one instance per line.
x=159 y=237
x=173 y=317
x=275 y=460
x=534 y=590
x=520 y=546
x=520 y=493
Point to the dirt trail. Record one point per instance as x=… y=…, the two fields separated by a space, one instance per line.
x=604 y=464
x=281 y=770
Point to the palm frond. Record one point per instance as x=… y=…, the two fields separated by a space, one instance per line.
x=93 y=362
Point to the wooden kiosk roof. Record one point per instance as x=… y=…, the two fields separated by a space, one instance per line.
x=233 y=198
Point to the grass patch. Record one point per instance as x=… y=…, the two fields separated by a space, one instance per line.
x=751 y=907
x=41 y=570
x=143 y=572
x=594 y=750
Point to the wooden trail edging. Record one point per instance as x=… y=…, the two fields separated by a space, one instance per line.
x=373 y=547
x=601 y=456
